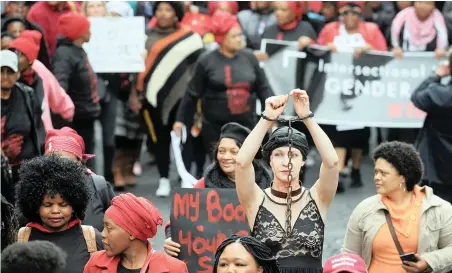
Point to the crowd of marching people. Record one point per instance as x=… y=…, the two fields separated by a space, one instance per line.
x=203 y=78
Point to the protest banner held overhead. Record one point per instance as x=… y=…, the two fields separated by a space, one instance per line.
x=372 y=90
x=201 y=219
x=116 y=44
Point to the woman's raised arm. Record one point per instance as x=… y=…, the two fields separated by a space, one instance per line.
x=247 y=189
x=326 y=186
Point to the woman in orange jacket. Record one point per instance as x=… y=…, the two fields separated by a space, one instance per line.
x=128 y=224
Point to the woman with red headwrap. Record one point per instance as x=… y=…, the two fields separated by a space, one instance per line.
x=351 y=34
x=228 y=80
x=289 y=26
x=228 y=6
x=128 y=224
x=67 y=143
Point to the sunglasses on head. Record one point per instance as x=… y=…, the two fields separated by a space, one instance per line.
x=351 y=11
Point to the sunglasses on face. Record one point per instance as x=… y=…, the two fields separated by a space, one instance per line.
x=351 y=11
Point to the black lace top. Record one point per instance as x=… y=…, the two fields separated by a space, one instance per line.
x=301 y=250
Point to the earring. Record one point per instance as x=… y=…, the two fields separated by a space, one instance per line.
x=401 y=186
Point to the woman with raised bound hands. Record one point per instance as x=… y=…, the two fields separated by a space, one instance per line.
x=297 y=245
x=221 y=173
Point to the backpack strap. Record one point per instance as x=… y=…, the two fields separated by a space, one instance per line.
x=90 y=237
x=24 y=234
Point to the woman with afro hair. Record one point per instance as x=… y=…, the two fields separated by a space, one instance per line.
x=402 y=215
x=53 y=196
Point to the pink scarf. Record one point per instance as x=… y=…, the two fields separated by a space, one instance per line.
x=421 y=33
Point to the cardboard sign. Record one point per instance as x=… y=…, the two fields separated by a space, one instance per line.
x=201 y=219
x=116 y=44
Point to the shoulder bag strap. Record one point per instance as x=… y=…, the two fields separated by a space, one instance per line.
x=393 y=234
x=90 y=237
x=24 y=234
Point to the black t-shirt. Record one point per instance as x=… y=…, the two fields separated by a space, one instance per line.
x=17 y=128
x=303 y=28
x=72 y=242
x=275 y=32
x=122 y=269
x=228 y=88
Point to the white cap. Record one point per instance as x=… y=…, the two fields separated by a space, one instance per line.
x=9 y=59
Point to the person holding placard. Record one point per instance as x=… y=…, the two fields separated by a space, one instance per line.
x=350 y=34
x=221 y=173
x=118 y=163
x=172 y=52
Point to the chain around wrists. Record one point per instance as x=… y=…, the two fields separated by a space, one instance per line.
x=286 y=118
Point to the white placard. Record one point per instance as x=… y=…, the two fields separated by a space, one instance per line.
x=116 y=44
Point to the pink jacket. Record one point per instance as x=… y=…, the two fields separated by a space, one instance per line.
x=55 y=98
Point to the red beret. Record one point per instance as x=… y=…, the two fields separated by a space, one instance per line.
x=67 y=140
x=73 y=25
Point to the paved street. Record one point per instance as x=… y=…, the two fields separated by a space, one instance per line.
x=338 y=215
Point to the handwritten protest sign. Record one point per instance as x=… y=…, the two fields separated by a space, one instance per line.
x=116 y=44
x=201 y=219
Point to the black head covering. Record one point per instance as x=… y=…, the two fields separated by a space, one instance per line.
x=215 y=178
x=235 y=131
x=279 y=138
x=178 y=7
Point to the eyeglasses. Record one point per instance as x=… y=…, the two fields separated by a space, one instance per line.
x=354 y=12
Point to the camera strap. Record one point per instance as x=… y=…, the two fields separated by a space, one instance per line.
x=393 y=234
